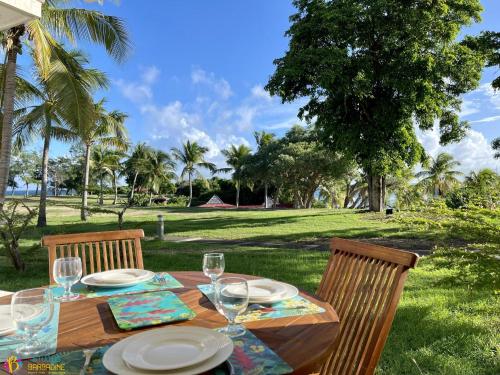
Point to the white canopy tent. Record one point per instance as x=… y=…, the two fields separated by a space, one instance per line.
x=18 y=12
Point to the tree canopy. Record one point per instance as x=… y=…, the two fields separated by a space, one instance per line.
x=371 y=69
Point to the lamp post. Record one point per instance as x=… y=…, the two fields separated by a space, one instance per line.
x=18 y=12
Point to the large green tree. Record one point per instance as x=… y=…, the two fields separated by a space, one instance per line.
x=58 y=21
x=192 y=157
x=136 y=165
x=372 y=69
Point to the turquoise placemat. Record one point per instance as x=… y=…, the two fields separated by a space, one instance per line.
x=250 y=357
x=148 y=309
x=290 y=307
x=162 y=281
x=48 y=334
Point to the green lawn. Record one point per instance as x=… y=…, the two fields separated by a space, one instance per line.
x=447 y=321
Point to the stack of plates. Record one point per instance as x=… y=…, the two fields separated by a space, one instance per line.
x=265 y=291
x=7 y=325
x=171 y=350
x=118 y=278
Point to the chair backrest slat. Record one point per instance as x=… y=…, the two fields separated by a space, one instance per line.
x=96 y=249
x=363 y=282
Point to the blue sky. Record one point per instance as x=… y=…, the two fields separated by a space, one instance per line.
x=197 y=70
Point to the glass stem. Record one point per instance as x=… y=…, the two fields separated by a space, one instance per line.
x=67 y=290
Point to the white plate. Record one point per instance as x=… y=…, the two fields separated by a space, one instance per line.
x=7 y=325
x=112 y=359
x=117 y=278
x=171 y=349
x=258 y=289
x=290 y=292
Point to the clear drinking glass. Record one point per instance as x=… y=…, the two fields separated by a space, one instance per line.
x=67 y=271
x=231 y=295
x=31 y=310
x=213 y=266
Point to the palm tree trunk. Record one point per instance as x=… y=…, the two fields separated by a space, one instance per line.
x=150 y=197
x=42 y=208
x=7 y=103
x=27 y=190
x=265 y=195
x=133 y=185
x=101 y=191
x=190 y=190
x=36 y=190
x=84 y=209
x=237 y=194
x=115 y=187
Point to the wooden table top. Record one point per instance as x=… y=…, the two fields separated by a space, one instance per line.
x=304 y=342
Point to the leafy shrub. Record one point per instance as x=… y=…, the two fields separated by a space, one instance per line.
x=178 y=201
x=140 y=200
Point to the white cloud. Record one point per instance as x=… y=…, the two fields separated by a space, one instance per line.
x=473 y=152
x=487 y=119
x=469 y=107
x=139 y=91
x=150 y=74
x=493 y=96
x=259 y=93
x=168 y=119
x=219 y=85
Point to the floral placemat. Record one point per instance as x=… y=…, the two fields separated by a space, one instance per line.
x=250 y=357
x=290 y=307
x=148 y=309
x=161 y=281
x=48 y=334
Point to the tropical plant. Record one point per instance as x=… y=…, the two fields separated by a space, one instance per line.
x=259 y=163
x=440 y=177
x=372 y=69
x=237 y=158
x=192 y=157
x=14 y=221
x=64 y=93
x=57 y=21
x=159 y=168
x=108 y=129
x=136 y=164
x=480 y=189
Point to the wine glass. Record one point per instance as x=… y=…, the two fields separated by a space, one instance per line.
x=67 y=271
x=231 y=295
x=213 y=266
x=32 y=309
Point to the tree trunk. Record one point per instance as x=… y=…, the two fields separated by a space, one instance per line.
x=27 y=190
x=84 y=209
x=115 y=187
x=190 y=190
x=376 y=192
x=265 y=195
x=133 y=185
x=347 y=195
x=15 y=256
x=101 y=191
x=7 y=104
x=42 y=208
x=36 y=190
x=150 y=197
x=237 y=195
x=12 y=191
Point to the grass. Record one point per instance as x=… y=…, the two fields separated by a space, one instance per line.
x=447 y=321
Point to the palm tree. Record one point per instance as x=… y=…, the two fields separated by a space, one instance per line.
x=159 y=168
x=55 y=22
x=107 y=129
x=100 y=166
x=192 y=157
x=137 y=164
x=263 y=140
x=116 y=167
x=65 y=95
x=236 y=158
x=440 y=176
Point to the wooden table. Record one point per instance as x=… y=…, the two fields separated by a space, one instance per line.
x=302 y=341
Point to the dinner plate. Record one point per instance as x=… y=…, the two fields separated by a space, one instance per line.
x=117 y=278
x=289 y=292
x=258 y=289
x=7 y=325
x=112 y=359
x=171 y=349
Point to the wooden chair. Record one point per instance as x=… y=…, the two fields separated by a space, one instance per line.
x=363 y=283
x=100 y=251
